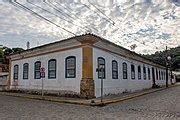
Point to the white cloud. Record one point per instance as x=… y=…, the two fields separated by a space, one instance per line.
x=150 y=24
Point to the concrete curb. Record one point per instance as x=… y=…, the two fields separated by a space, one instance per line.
x=44 y=98
x=106 y=102
x=84 y=102
x=134 y=96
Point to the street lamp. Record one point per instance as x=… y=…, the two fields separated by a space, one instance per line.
x=168 y=59
x=169 y=63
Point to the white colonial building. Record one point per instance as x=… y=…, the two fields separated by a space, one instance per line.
x=71 y=65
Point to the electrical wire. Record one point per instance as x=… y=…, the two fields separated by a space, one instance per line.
x=57 y=9
x=102 y=13
x=114 y=23
x=70 y=11
x=56 y=15
x=96 y=13
x=61 y=12
x=39 y=16
x=17 y=4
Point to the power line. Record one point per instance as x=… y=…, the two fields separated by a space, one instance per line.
x=41 y=17
x=96 y=13
x=70 y=11
x=118 y=28
x=25 y=10
x=17 y=4
x=57 y=9
x=56 y=15
x=62 y=12
x=102 y=13
x=112 y=20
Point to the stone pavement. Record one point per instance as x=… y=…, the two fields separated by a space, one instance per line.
x=159 y=105
x=97 y=101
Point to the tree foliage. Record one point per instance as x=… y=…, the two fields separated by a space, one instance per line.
x=160 y=57
x=5 y=51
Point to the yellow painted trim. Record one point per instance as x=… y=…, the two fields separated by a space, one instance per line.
x=87 y=65
x=60 y=50
x=87 y=86
x=126 y=56
x=9 y=81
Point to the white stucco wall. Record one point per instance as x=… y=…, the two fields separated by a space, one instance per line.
x=60 y=83
x=111 y=86
x=161 y=81
x=174 y=79
x=114 y=86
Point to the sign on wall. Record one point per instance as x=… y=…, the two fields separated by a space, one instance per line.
x=42 y=70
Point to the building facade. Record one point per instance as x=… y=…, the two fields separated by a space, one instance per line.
x=4 y=76
x=176 y=76
x=72 y=65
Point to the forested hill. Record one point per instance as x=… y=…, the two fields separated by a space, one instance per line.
x=159 y=57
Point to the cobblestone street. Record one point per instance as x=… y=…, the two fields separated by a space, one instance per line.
x=161 y=105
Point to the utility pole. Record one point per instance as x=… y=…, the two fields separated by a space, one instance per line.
x=101 y=90
x=42 y=71
x=42 y=90
x=101 y=70
x=166 y=68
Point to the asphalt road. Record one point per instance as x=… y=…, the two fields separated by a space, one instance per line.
x=161 y=105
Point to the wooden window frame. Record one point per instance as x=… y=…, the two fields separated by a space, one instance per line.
x=36 y=70
x=54 y=70
x=125 y=75
x=144 y=73
x=66 y=67
x=115 y=70
x=133 y=71
x=139 y=72
x=149 y=74
x=104 y=66
x=27 y=71
x=15 y=73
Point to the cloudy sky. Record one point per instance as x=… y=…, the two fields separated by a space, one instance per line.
x=145 y=25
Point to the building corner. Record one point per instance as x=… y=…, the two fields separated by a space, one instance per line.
x=87 y=85
x=9 y=79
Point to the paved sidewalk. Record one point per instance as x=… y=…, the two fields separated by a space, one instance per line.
x=97 y=101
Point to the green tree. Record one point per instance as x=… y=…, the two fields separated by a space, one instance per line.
x=5 y=51
x=17 y=50
x=1 y=55
x=160 y=57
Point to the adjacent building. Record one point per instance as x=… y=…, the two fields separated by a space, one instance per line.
x=72 y=65
x=4 y=76
x=176 y=76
